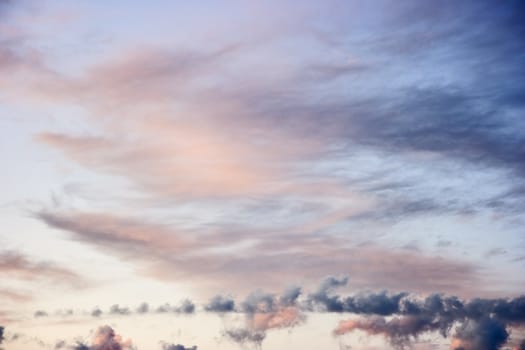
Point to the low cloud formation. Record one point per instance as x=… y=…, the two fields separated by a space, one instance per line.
x=485 y=334
x=60 y=344
x=481 y=324
x=401 y=318
x=40 y=313
x=96 y=312
x=143 y=308
x=167 y=346
x=117 y=310
x=282 y=318
x=398 y=331
x=220 y=303
x=244 y=336
x=185 y=307
x=81 y=346
x=263 y=312
x=106 y=339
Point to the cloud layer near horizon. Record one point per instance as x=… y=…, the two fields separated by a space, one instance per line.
x=401 y=318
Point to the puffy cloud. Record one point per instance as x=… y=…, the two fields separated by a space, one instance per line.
x=143 y=308
x=40 y=313
x=283 y=317
x=81 y=346
x=482 y=323
x=290 y=296
x=220 y=303
x=118 y=310
x=264 y=312
x=243 y=336
x=185 y=307
x=167 y=346
x=398 y=330
x=485 y=334
x=106 y=339
x=96 y=312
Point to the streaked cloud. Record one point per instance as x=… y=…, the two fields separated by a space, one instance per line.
x=152 y=248
x=16 y=265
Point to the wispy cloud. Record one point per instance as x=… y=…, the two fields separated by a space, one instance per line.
x=157 y=249
x=16 y=265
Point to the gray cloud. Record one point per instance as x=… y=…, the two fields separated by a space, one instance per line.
x=118 y=310
x=96 y=312
x=143 y=308
x=480 y=323
x=186 y=307
x=485 y=334
x=40 y=313
x=220 y=303
x=167 y=346
x=243 y=336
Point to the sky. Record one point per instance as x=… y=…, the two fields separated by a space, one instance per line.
x=183 y=175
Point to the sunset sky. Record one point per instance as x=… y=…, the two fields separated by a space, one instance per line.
x=277 y=175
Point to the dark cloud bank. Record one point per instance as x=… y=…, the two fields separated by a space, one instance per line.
x=401 y=318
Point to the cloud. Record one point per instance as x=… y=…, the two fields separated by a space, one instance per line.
x=81 y=346
x=96 y=312
x=243 y=336
x=60 y=344
x=165 y=252
x=16 y=265
x=117 y=310
x=143 y=308
x=185 y=307
x=106 y=339
x=15 y=296
x=283 y=317
x=167 y=346
x=401 y=318
x=290 y=296
x=220 y=303
x=196 y=125
x=521 y=346
x=482 y=323
x=40 y=313
x=399 y=331
x=322 y=298
x=485 y=334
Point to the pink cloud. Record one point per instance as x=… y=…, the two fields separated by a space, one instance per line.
x=284 y=317
x=15 y=265
x=166 y=253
